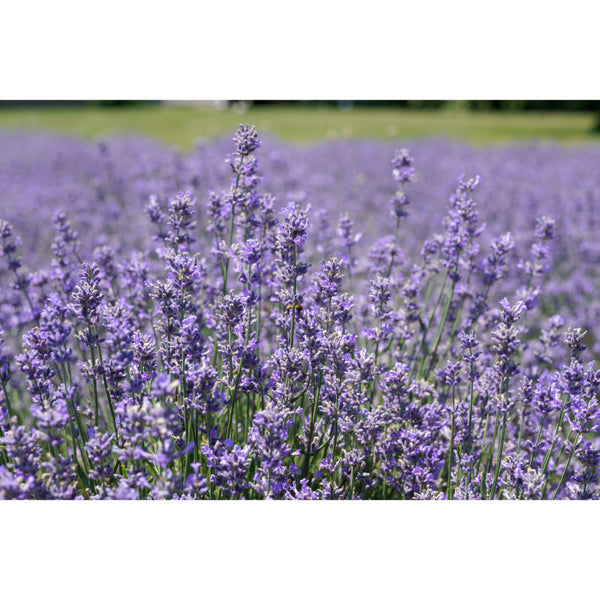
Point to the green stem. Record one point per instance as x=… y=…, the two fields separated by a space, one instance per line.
x=490 y=460
x=552 y=471
x=440 y=330
x=521 y=428
x=108 y=397
x=394 y=249
x=449 y=490
x=564 y=473
x=238 y=376
x=293 y=301
x=537 y=441
x=95 y=387
x=499 y=455
x=427 y=327
x=8 y=404
x=232 y=225
x=335 y=439
x=554 y=439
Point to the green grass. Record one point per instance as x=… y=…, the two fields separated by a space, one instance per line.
x=180 y=125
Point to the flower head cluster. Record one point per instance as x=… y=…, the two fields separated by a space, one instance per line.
x=240 y=345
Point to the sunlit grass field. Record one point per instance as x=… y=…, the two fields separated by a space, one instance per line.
x=181 y=125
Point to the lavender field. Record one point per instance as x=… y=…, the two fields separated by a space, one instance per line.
x=257 y=320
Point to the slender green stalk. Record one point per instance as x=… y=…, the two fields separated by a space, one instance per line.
x=449 y=490
x=483 y=428
x=232 y=225
x=335 y=440
x=313 y=418
x=470 y=422
x=440 y=330
x=108 y=396
x=419 y=347
x=537 y=441
x=24 y=290
x=564 y=473
x=95 y=388
x=471 y=403
x=554 y=439
x=553 y=470
x=490 y=460
x=9 y=409
x=499 y=455
x=393 y=253
x=238 y=376
x=294 y=307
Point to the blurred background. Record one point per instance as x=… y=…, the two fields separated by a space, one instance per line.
x=181 y=123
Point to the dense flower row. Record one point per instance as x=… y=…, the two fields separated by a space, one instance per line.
x=251 y=347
